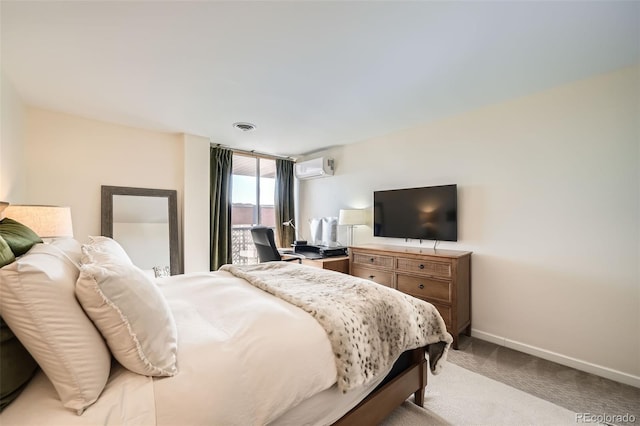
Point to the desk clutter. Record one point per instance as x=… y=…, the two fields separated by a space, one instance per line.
x=319 y=251
x=324 y=231
x=323 y=240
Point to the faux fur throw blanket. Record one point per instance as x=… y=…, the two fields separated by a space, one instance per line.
x=368 y=325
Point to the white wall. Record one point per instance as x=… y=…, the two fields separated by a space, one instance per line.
x=549 y=194
x=69 y=158
x=549 y=202
x=196 y=203
x=12 y=155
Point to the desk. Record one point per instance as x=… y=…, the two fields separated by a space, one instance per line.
x=334 y=263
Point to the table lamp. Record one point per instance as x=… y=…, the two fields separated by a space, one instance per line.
x=46 y=221
x=351 y=218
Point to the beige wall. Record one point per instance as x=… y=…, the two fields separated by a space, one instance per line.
x=549 y=203
x=69 y=158
x=12 y=155
x=196 y=203
x=549 y=194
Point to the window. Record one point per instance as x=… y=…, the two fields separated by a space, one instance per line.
x=252 y=203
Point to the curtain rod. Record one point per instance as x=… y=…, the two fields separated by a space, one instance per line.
x=254 y=153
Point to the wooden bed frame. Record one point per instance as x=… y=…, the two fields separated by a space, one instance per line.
x=393 y=391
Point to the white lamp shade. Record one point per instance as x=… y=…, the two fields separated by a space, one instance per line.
x=352 y=217
x=46 y=221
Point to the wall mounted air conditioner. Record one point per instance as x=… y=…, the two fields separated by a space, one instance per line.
x=318 y=167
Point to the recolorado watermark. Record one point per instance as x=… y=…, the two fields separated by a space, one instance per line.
x=604 y=418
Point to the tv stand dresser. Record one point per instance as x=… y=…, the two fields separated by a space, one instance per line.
x=441 y=277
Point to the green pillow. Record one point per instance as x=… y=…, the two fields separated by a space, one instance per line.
x=16 y=366
x=19 y=237
x=6 y=255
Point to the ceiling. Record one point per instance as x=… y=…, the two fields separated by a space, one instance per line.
x=308 y=74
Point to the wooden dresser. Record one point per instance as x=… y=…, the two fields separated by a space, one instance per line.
x=441 y=277
x=335 y=263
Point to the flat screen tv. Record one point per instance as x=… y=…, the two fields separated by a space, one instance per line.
x=427 y=213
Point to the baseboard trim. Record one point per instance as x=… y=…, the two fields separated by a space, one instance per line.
x=598 y=370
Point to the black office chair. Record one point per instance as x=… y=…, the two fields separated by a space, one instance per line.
x=266 y=245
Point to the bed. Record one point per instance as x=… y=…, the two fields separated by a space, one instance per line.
x=239 y=346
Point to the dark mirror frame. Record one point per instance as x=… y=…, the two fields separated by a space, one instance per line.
x=107 y=193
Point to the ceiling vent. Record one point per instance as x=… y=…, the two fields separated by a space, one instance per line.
x=245 y=127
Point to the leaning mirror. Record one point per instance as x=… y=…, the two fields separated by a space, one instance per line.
x=145 y=223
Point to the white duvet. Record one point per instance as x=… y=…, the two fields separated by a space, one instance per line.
x=244 y=358
x=244 y=355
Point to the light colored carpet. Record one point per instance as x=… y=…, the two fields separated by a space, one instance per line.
x=460 y=397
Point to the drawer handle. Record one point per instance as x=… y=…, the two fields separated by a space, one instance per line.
x=421 y=286
x=372 y=260
x=421 y=266
x=371 y=277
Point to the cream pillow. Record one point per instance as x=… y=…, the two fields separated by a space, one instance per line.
x=39 y=305
x=104 y=250
x=132 y=315
x=69 y=246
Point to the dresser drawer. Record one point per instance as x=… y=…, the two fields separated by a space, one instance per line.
x=445 y=313
x=375 y=275
x=373 y=260
x=440 y=277
x=428 y=267
x=424 y=287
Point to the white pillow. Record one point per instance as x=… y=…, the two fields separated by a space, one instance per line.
x=132 y=315
x=69 y=246
x=39 y=305
x=104 y=250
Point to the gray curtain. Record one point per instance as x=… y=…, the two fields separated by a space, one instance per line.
x=284 y=202
x=220 y=211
